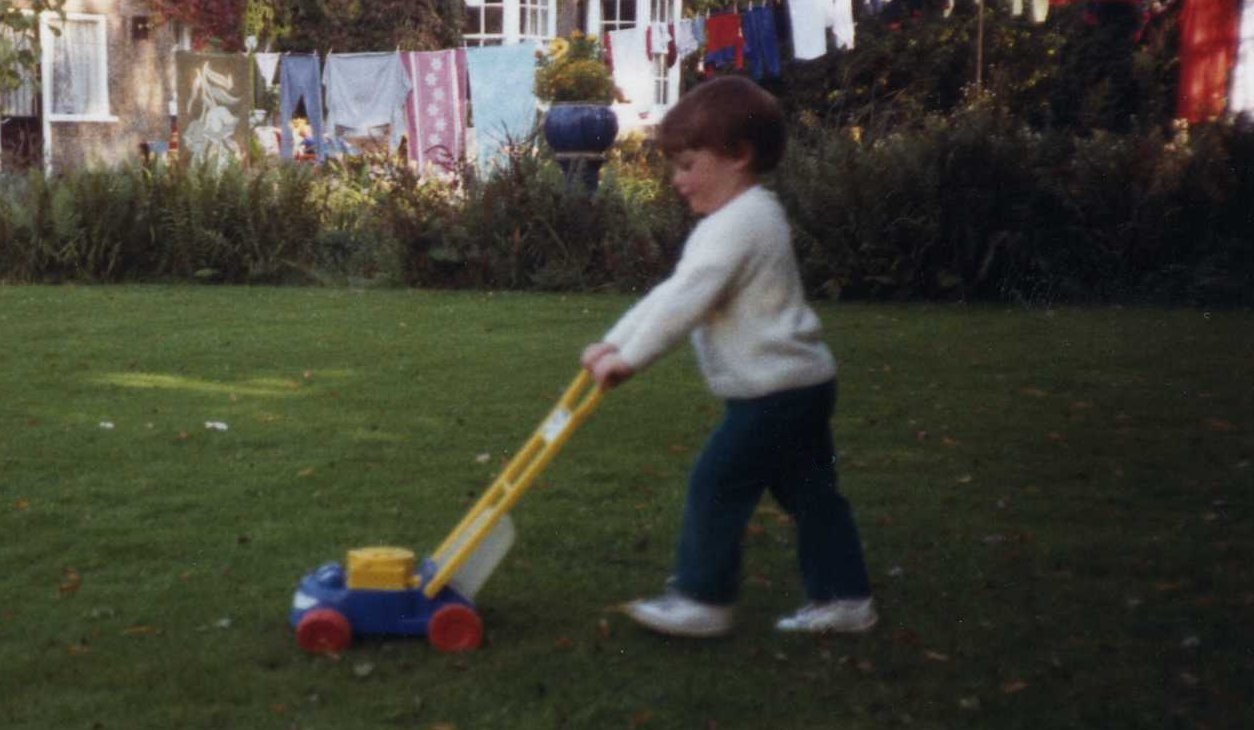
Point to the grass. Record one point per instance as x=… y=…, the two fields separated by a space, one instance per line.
x=1056 y=507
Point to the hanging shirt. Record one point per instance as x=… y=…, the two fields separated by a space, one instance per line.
x=840 y=19
x=435 y=108
x=724 y=44
x=686 y=41
x=364 y=90
x=503 y=104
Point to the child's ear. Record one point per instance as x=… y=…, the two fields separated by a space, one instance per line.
x=744 y=156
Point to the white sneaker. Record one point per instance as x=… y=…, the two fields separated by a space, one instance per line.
x=846 y=616
x=676 y=615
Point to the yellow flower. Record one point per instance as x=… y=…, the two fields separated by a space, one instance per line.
x=558 y=47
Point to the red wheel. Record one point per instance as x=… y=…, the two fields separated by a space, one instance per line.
x=323 y=630
x=455 y=628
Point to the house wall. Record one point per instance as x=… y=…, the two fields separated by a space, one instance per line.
x=141 y=85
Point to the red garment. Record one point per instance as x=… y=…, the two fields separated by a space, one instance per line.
x=1208 y=49
x=722 y=34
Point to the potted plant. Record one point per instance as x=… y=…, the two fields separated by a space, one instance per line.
x=576 y=84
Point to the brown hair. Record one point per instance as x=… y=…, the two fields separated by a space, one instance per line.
x=722 y=115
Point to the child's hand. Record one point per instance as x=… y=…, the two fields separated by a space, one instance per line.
x=595 y=352
x=611 y=370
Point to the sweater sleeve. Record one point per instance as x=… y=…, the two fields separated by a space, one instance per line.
x=678 y=305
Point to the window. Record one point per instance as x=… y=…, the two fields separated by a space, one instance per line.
x=501 y=22
x=19 y=102
x=76 y=68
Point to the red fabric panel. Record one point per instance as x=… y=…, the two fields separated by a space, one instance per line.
x=1208 y=48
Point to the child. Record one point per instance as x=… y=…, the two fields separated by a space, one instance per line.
x=737 y=292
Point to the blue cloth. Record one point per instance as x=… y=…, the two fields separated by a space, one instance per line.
x=502 y=102
x=300 y=77
x=781 y=442
x=761 y=42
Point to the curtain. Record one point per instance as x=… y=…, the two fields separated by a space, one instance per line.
x=77 y=57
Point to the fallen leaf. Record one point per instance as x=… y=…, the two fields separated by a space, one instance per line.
x=964 y=479
x=969 y=703
x=679 y=449
x=307 y=375
x=949 y=441
x=1055 y=438
x=920 y=436
x=1079 y=406
x=563 y=642
x=641 y=718
x=363 y=669
x=936 y=656
x=1219 y=425
x=278 y=708
x=71 y=581
x=21 y=505
x=1166 y=586
x=77 y=649
x=483 y=458
x=142 y=630
x=216 y=426
x=306 y=472
x=107 y=425
x=182 y=436
x=603 y=628
x=1032 y=391
x=1014 y=686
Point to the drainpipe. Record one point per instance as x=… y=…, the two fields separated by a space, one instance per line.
x=45 y=92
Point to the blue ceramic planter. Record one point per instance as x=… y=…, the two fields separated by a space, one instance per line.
x=571 y=127
x=579 y=135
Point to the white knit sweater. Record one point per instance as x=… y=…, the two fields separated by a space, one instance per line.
x=737 y=292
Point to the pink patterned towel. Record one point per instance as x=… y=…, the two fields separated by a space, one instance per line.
x=435 y=110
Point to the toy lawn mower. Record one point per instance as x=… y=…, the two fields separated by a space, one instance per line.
x=382 y=591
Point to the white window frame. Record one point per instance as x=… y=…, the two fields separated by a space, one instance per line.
x=100 y=75
x=521 y=20
x=665 y=80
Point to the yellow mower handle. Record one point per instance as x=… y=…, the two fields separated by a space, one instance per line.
x=581 y=397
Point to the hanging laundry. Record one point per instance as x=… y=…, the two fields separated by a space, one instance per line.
x=267 y=67
x=659 y=41
x=808 y=20
x=1242 y=96
x=364 y=91
x=686 y=41
x=761 y=44
x=725 y=46
x=435 y=108
x=503 y=105
x=840 y=20
x=1039 y=11
x=215 y=93
x=300 y=78
x=1208 y=46
x=632 y=67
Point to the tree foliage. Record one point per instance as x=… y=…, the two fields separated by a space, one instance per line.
x=19 y=39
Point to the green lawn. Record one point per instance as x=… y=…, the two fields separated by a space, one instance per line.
x=1056 y=507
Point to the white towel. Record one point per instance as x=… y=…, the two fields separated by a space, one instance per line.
x=633 y=70
x=809 y=28
x=686 y=42
x=1242 y=96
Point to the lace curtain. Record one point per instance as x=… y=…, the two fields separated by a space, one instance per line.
x=78 y=57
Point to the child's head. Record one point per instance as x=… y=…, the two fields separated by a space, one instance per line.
x=729 y=116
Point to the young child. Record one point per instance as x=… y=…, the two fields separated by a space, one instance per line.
x=737 y=292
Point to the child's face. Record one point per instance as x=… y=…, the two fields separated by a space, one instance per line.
x=707 y=180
